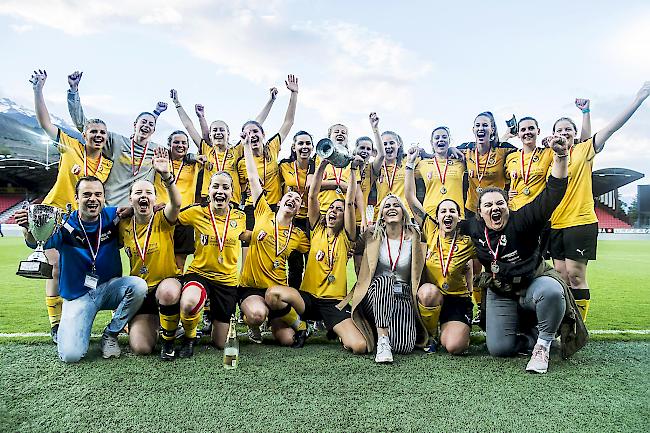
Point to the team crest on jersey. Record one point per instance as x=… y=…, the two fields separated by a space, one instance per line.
x=430 y=175
x=492 y=161
x=261 y=235
x=320 y=254
x=76 y=169
x=513 y=174
x=233 y=224
x=535 y=158
x=204 y=239
x=503 y=241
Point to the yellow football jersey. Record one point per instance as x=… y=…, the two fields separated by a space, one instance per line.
x=185 y=176
x=435 y=191
x=454 y=283
x=538 y=162
x=577 y=206
x=222 y=161
x=326 y=270
x=159 y=261
x=366 y=179
x=268 y=171
x=326 y=197
x=209 y=261
x=489 y=171
x=263 y=268
x=391 y=180
x=72 y=166
x=293 y=182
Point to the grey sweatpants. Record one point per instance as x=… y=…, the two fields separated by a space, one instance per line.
x=386 y=309
x=545 y=296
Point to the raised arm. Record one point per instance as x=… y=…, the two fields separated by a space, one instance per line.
x=251 y=169
x=185 y=119
x=313 y=205
x=560 y=168
x=199 y=109
x=273 y=91
x=583 y=105
x=351 y=196
x=292 y=85
x=74 y=102
x=379 y=159
x=409 y=186
x=42 y=115
x=603 y=135
x=160 y=162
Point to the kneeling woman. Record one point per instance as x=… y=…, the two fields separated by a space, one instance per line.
x=507 y=244
x=147 y=237
x=445 y=297
x=385 y=294
x=325 y=281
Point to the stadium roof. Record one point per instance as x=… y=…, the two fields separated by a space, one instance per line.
x=609 y=179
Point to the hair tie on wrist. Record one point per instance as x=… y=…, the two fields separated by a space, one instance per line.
x=585 y=111
x=156 y=112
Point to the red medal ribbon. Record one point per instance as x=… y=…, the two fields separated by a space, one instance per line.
x=480 y=173
x=222 y=166
x=337 y=178
x=99 y=163
x=330 y=254
x=443 y=176
x=142 y=252
x=144 y=153
x=445 y=265
x=495 y=252
x=177 y=176
x=526 y=175
x=390 y=179
x=277 y=234
x=221 y=240
x=393 y=265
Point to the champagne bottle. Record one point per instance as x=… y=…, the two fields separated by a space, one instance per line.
x=231 y=348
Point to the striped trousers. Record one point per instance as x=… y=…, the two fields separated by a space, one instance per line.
x=386 y=309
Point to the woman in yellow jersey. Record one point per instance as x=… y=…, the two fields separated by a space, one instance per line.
x=147 y=237
x=219 y=227
x=296 y=174
x=274 y=237
x=325 y=282
x=445 y=296
x=383 y=299
x=442 y=174
x=77 y=160
x=213 y=143
x=185 y=176
x=574 y=226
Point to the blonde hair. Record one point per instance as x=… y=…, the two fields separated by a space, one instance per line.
x=380 y=227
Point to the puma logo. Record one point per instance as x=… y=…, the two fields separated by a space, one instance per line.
x=482 y=242
x=582 y=252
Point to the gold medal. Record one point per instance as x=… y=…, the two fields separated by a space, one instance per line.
x=220 y=259
x=479 y=190
x=445 y=286
x=330 y=278
x=276 y=264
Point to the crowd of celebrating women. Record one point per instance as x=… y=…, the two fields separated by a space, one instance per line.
x=450 y=225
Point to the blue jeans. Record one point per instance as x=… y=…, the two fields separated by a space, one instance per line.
x=544 y=296
x=124 y=295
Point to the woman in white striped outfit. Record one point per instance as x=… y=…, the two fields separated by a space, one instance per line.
x=384 y=296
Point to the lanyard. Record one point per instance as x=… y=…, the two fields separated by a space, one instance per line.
x=337 y=179
x=493 y=252
x=442 y=175
x=142 y=252
x=393 y=265
x=480 y=173
x=221 y=240
x=93 y=254
x=144 y=153
x=99 y=163
x=525 y=175
x=222 y=166
x=330 y=253
x=276 y=233
x=445 y=265
x=390 y=179
x=177 y=175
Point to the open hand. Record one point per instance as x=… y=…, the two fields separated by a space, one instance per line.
x=292 y=83
x=160 y=161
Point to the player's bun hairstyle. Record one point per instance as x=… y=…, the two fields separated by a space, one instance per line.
x=93 y=122
x=86 y=179
x=494 y=138
x=485 y=191
x=178 y=131
x=293 y=156
x=528 y=118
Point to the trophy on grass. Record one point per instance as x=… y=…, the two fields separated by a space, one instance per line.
x=44 y=221
x=337 y=154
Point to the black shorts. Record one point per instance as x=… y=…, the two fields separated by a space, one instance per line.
x=575 y=243
x=183 y=239
x=323 y=309
x=249 y=210
x=245 y=292
x=456 y=309
x=223 y=299
x=149 y=305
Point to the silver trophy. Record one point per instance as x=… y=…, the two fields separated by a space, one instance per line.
x=337 y=154
x=44 y=221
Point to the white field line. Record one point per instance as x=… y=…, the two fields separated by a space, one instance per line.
x=476 y=333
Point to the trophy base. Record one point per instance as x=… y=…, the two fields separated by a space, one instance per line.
x=35 y=269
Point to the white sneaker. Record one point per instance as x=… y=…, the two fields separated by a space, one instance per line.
x=110 y=347
x=384 y=353
x=539 y=361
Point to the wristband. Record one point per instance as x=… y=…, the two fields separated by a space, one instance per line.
x=178 y=106
x=561 y=156
x=410 y=166
x=169 y=180
x=585 y=111
x=156 y=112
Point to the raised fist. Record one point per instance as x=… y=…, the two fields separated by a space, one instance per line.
x=73 y=80
x=38 y=79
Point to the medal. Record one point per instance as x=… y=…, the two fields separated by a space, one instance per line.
x=480 y=172
x=339 y=191
x=525 y=175
x=99 y=163
x=442 y=175
x=142 y=251
x=134 y=170
x=526 y=191
x=445 y=286
x=444 y=264
x=479 y=189
x=276 y=264
x=221 y=240
x=330 y=278
x=495 y=254
x=279 y=251
x=443 y=190
x=337 y=179
x=390 y=179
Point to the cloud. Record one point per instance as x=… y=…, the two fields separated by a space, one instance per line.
x=22 y=28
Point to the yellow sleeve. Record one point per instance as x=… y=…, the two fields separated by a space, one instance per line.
x=187 y=216
x=66 y=142
x=274 y=145
x=162 y=224
x=303 y=242
x=262 y=209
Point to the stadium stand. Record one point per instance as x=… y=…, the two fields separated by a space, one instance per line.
x=606 y=220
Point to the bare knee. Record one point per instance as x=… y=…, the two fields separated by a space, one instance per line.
x=284 y=336
x=273 y=297
x=141 y=347
x=457 y=347
x=429 y=295
x=255 y=316
x=358 y=346
x=168 y=295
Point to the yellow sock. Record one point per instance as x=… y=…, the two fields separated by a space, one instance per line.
x=190 y=323
x=54 y=305
x=582 y=298
x=169 y=316
x=292 y=319
x=430 y=317
x=476 y=295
